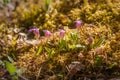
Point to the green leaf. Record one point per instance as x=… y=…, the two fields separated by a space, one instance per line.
x=62 y=44
x=39 y=50
x=79 y=46
x=98 y=42
x=53 y=52
x=47 y=4
x=50 y=43
x=48 y=49
x=5 y=1
x=2 y=63
x=10 y=67
x=74 y=37
x=10 y=59
x=50 y=55
x=71 y=46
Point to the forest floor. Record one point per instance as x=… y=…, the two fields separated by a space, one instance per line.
x=60 y=40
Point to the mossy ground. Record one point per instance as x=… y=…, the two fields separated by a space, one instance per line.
x=99 y=19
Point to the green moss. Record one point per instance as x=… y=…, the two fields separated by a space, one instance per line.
x=30 y=17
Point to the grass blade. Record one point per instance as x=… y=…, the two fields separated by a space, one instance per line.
x=98 y=42
x=39 y=50
x=47 y=4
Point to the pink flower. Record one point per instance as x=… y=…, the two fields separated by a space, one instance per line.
x=99 y=50
x=35 y=31
x=90 y=39
x=62 y=33
x=78 y=23
x=80 y=55
x=47 y=33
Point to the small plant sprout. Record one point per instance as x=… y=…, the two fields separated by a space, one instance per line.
x=35 y=31
x=47 y=33
x=62 y=33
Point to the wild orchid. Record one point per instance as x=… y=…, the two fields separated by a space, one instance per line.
x=35 y=31
x=47 y=33
x=78 y=23
x=90 y=40
x=62 y=33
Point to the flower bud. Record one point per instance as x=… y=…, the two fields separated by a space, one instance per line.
x=62 y=33
x=35 y=31
x=90 y=39
x=47 y=33
x=78 y=23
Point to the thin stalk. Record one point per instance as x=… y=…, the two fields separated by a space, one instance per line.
x=22 y=77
